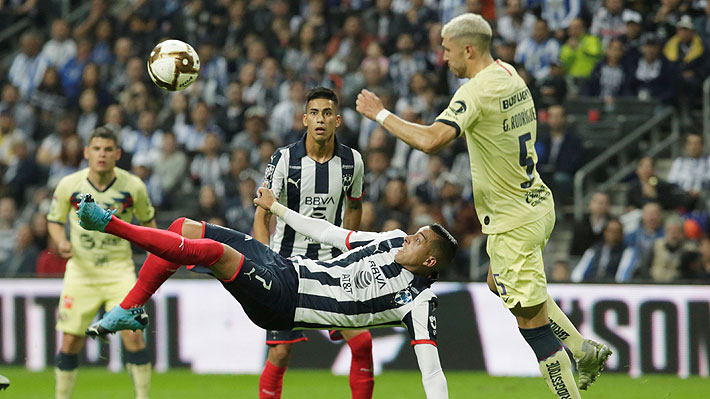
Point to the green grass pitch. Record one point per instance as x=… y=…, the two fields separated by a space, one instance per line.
x=95 y=383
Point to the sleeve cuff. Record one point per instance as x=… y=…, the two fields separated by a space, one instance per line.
x=423 y=341
x=452 y=124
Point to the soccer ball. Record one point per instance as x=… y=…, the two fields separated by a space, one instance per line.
x=173 y=65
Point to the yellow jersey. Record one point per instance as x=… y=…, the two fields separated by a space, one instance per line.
x=100 y=257
x=496 y=113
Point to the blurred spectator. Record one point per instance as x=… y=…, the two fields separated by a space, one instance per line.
x=239 y=210
x=690 y=172
x=170 y=166
x=61 y=47
x=40 y=232
x=517 y=24
x=416 y=20
x=457 y=213
x=213 y=73
x=429 y=191
x=89 y=117
x=254 y=132
x=581 y=51
x=101 y=53
x=560 y=272
x=192 y=136
x=435 y=53
x=702 y=23
x=28 y=66
x=146 y=138
x=24 y=114
x=230 y=117
x=695 y=266
x=239 y=168
x=554 y=87
x=142 y=166
x=269 y=82
x=51 y=146
x=304 y=45
x=50 y=263
x=177 y=116
x=667 y=16
x=537 y=52
x=611 y=76
x=632 y=37
x=8 y=227
x=23 y=257
x=73 y=69
x=395 y=202
x=665 y=260
x=8 y=134
x=208 y=205
x=601 y=261
x=588 y=231
x=369 y=217
x=560 y=153
x=653 y=76
x=210 y=163
x=134 y=100
x=48 y=99
x=640 y=241
x=69 y=160
x=118 y=70
x=610 y=21
x=91 y=79
x=405 y=63
x=369 y=76
x=559 y=14
x=379 y=22
x=346 y=50
x=22 y=171
x=649 y=188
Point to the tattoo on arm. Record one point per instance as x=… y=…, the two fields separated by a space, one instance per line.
x=354 y=204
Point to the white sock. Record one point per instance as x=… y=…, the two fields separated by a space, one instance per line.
x=64 y=383
x=140 y=375
x=564 y=329
x=557 y=372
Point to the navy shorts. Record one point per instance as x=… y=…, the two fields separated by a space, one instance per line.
x=267 y=283
x=274 y=337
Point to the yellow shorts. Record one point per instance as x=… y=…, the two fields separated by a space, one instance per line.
x=516 y=262
x=80 y=302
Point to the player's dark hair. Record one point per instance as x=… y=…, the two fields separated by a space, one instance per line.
x=444 y=247
x=321 y=92
x=103 y=132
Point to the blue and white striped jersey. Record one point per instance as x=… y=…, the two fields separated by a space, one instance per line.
x=312 y=189
x=365 y=287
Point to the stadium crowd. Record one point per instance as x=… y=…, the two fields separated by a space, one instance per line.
x=202 y=152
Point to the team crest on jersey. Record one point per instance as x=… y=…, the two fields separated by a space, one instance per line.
x=458 y=107
x=269 y=173
x=347 y=180
x=403 y=297
x=363 y=279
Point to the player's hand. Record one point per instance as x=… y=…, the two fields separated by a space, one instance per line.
x=264 y=198
x=368 y=104
x=65 y=250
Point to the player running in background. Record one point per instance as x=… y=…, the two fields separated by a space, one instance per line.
x=100 y=270
x=495 y=112
x=317 y=177
x=382 y=280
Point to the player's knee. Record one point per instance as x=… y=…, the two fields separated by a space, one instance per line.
x=281 y=352
x=191 y=228
x=72 y=344
x=133 y=340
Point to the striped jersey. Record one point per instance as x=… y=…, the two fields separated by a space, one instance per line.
x=365 y=287
x=100 y=257
x=312 y=189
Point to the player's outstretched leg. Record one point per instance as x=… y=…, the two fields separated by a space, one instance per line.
x=4 y=382
x=362 y=380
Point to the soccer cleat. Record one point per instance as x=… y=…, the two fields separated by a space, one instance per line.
x=592 y=363
x=118 y=319
x=4 y=382
x=91 y=215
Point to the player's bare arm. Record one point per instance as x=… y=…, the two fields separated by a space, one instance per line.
x=262 y=221
x=59 y=236
x=353 y=214
x=429 y=139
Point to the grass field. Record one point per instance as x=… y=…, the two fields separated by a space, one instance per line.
x=316 y=384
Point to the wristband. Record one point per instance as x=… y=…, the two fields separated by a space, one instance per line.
x=278 y=209
x=382 y=115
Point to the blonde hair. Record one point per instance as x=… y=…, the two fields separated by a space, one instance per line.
x=471 y=29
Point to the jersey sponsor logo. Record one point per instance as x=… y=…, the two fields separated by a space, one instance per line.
x=316 y=201
x=377 y=275
x=294 y=182
x=458 y=107
x=520 y=119
x=67 y=301
x=403 y=297
x=363 y=279
x=510 y=102
x=536 y=196
x=555 y=372
x=346 y=283
x=294 y=166
x=348 y=166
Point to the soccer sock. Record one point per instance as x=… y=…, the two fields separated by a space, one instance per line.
x=152 y=275
x=168 y=245
x=555 y=365
x=362 y=381
x=139 y=368
x=271 y=381
x=564 y=329
x=65 y=375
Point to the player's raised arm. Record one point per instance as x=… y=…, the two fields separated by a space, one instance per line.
x=428 y=139
x=317 y=229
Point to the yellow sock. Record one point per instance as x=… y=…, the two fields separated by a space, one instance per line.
x=64 y=383
x=140 y=375
x=564 y=329
x=557 y=372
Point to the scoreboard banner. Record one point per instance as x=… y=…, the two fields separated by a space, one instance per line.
x=195 y=323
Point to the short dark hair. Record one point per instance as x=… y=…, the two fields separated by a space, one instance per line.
x=103 y=132
x=321 y=92
x=444 y=247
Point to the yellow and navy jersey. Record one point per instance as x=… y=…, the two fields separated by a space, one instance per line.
x=496 y=113
x=100 y=257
